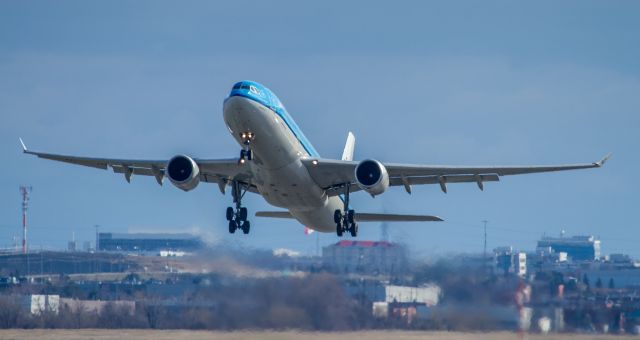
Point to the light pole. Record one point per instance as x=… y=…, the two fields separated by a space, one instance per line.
x=484 y=253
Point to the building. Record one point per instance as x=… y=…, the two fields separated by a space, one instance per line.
x=146 y=242
x=72 y=245
x=578 y=248
x=622 y=259
x=547 y=254
x=86 y=246
x=428 y=295
x=365 y=257
x=36 y=304
x=65 y=263
x=97 y=306
x=402 y=302
x=509 y=261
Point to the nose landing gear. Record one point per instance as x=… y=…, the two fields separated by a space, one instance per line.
x=246 y=154
x=345 y=222
x=238 y=217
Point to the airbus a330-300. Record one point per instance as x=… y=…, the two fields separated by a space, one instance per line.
x=279 y=163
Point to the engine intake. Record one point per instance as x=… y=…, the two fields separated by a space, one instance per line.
x=372 y=177
x=183 y=172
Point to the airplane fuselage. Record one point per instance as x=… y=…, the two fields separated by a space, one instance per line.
x=278 y=147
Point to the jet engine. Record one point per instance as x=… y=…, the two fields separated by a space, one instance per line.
x=183 y=172
x=372 y=177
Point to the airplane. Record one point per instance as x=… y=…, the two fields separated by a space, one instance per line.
x=278 y=162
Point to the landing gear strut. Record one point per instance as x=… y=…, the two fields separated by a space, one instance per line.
x=246 y=154
x=238 y=217
x=345 y=221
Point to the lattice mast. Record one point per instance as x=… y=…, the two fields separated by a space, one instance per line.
x=25 y=191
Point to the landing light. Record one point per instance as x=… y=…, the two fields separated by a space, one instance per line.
x=314 y=162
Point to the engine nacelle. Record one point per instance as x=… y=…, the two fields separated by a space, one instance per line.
x=372 y=177
x=183 y=172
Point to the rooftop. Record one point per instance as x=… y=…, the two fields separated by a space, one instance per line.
x=147 y=236
x=366 y=244
x=569 y=240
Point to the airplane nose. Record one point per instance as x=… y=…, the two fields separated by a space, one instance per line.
x=239 y=111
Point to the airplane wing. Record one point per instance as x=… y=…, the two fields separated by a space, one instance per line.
x=211 y=170
x=332 y=175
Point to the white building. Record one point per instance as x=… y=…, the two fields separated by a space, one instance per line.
x=36 y=304
x=509 y=261
x=405 y=300
x=429 y=295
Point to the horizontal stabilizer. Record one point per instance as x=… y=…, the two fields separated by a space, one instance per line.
x=274 y=214
x=364 y=217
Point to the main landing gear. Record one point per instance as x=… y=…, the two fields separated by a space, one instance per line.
x=345 y=222
x=238 y=217
x=246 y=154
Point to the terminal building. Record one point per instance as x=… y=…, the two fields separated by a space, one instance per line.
x=148 y=242
x=577 y=248
x=365 y=257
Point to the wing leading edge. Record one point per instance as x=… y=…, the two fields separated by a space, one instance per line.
x=212 y=170
x=331 y=174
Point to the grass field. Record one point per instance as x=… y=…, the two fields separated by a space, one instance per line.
x=101 y=334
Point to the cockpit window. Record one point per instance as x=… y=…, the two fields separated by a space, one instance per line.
x=244 y=87
x=236 y=86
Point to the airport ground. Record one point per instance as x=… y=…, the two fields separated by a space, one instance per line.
x=106 y=334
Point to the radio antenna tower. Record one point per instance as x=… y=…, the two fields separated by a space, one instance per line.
x=25 y=191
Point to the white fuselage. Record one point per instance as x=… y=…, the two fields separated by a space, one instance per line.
x=279 y=175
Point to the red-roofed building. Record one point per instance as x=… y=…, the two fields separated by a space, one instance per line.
x=365 y=257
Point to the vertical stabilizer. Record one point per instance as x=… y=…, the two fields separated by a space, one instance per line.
x=349 y=146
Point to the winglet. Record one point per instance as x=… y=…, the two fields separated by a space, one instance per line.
x=24 y=147
x=603 y=160
x=349 y=146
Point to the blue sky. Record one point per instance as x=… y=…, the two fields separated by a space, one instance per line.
x=461 y=83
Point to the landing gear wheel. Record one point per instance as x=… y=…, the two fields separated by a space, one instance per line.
x=242 y=214
x=237 y=216
x=354 y=230
x=345 y=222
x=350 y=217
x=249 y=155
x=246 y=226
x=232 y=226
x=230 y=213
